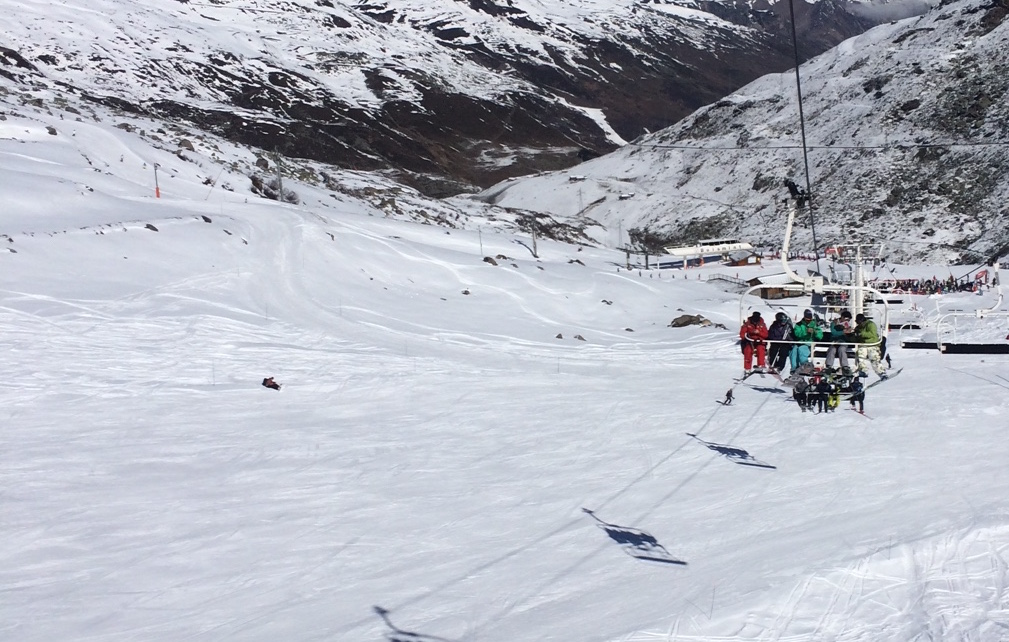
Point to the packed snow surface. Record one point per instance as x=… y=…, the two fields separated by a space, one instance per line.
x=442 y=428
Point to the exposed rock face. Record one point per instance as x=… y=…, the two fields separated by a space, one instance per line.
x=449 y=95
x=907 y=139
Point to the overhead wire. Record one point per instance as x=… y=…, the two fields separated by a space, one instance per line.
x=751 y=148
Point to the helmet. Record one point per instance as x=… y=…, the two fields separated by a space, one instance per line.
x=808 y=314
x=781 y=316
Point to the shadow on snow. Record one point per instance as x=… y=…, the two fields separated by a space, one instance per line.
x=636 y=542
x=733 y=454
x=396 y=634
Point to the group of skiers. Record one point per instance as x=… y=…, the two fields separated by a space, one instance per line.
x=792 y=344
x=822 y=393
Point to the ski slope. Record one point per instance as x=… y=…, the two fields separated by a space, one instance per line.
x=423 y=472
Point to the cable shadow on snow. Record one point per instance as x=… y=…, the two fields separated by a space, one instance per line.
x=635 y=542
x=396 y=634
x=977 y=376
x=557 y=530
x=769 y=389
x=733 y=454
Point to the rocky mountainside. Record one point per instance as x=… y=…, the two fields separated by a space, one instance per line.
x=907 y=130
x=444 y=94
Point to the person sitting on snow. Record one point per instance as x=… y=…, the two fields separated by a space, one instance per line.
x=270 y=383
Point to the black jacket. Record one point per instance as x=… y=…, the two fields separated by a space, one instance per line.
x=780 y=331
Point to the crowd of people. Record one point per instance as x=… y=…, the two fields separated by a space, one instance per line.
x=934 y=285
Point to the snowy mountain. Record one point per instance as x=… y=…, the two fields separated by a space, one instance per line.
x=445 y=94
x=907 y=130
x=462 y=449
x=905 y=124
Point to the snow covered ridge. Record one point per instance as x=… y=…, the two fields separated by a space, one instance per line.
x=908 y=142
x=83 y=152
x=450 y=94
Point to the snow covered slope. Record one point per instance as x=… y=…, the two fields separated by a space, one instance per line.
x=423 y=471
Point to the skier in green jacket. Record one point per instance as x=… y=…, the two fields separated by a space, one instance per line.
x=867 y=335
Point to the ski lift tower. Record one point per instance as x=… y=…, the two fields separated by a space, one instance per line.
x=813 y=284
x=855 y=257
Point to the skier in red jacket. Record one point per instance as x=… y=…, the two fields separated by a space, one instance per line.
x=753 y=338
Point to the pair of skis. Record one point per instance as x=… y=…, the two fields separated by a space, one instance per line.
x=756 y=371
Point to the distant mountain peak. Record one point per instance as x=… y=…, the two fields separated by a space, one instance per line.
x=451 y=95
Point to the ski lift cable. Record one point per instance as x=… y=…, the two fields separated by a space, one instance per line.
x=765 y=148
x=802 y=129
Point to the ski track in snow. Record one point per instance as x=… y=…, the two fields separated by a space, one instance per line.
x=207 y=496
x=431 y=452
x=950 y=587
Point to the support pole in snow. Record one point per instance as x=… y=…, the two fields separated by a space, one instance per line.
x=535 y=251
x=280 y=178
x=792 y=208
x=157 y=189
x=858 y=295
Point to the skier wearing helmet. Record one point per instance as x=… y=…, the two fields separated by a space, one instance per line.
x=779 y=332
x=752 y=337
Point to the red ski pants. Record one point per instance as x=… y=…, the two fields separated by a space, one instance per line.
x=749 y=349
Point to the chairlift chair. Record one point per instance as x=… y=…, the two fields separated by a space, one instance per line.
x=815 y=285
